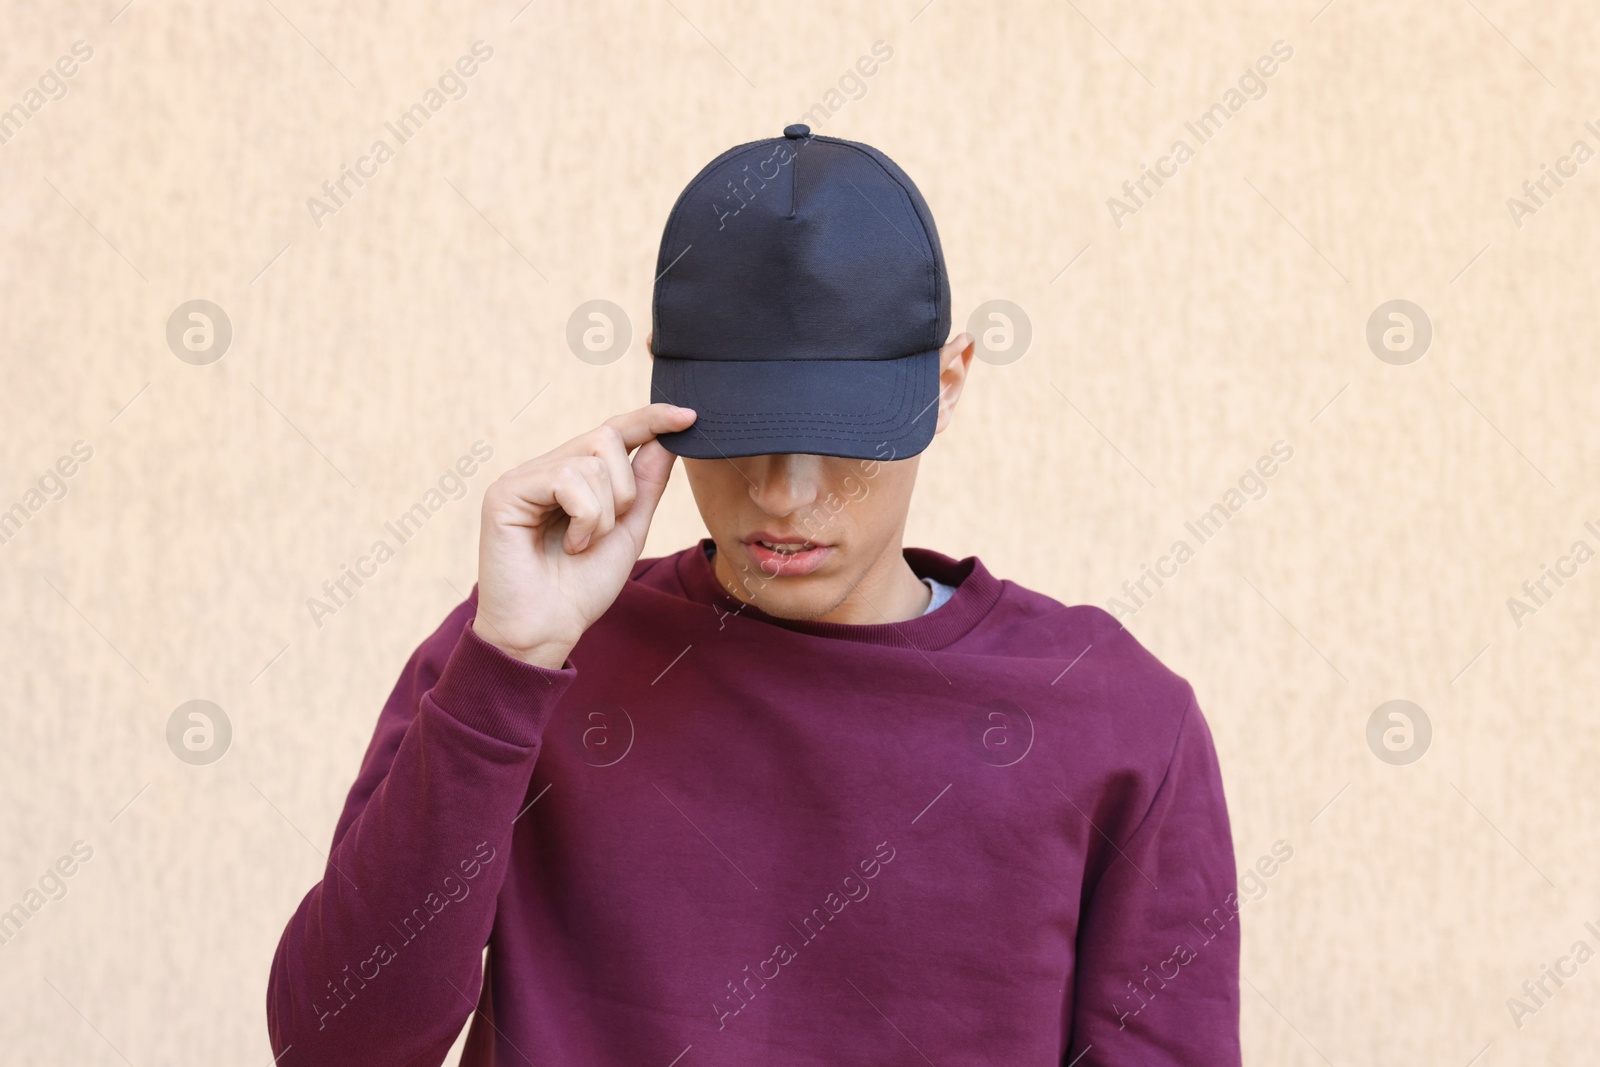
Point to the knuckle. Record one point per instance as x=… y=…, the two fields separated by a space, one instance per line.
x=602 y=439
x=568 y=476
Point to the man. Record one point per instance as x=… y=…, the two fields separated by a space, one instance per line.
x=795 y=794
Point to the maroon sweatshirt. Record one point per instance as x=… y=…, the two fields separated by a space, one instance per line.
x=992 y=834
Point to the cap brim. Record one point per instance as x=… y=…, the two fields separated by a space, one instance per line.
x=883 y=409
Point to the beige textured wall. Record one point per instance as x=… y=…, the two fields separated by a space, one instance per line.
x=1169 y=353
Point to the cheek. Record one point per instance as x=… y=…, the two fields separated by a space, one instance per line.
x=876 y=504
x=717 y=486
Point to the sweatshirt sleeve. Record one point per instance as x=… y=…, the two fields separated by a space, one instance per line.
x=382 y=961
x=1157 y=980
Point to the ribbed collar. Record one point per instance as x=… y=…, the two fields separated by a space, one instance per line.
x=977 y=592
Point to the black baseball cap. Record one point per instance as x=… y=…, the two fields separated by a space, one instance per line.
x=800 y=304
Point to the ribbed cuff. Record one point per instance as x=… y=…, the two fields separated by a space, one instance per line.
x=483 y=688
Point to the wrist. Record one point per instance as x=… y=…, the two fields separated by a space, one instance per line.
x=550 y=654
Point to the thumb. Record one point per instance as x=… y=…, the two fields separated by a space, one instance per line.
x=652 y=466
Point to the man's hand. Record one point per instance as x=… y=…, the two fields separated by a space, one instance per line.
x=561 y=533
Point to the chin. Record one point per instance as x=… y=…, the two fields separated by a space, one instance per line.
x=784 y=599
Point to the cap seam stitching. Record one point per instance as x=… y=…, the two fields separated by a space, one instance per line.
x=894 y=406
x=906 y=204
x=674 y=219
x=859 y=359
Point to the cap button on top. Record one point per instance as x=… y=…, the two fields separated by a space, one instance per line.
x=797 y=131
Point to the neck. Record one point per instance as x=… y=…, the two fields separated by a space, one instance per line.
x=890 y=591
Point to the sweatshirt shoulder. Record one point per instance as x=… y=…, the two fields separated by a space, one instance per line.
x=1093 y=654
x=659 y=572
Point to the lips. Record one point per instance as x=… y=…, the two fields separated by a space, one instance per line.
x=778 y=554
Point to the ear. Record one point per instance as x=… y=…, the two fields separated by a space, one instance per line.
x=955 y=359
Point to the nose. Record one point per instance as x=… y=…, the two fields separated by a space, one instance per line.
x=782 y=483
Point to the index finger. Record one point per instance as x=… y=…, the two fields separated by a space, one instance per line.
x=642 y=424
